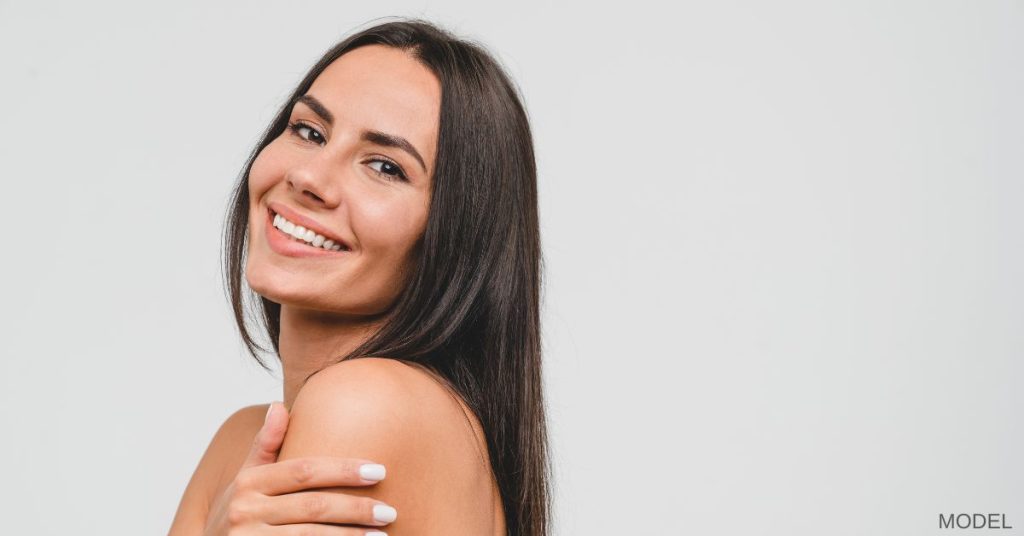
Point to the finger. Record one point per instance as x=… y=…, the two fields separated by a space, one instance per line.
x=268 y=440
x=298 y=474
x=326 y=507
x=307 y=529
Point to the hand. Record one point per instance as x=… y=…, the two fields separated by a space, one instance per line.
x=268 y=497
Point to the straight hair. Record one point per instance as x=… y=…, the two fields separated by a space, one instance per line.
x=470 y=310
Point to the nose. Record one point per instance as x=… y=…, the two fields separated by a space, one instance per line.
x=312 y=181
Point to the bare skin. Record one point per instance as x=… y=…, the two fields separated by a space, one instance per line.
x=207 y=508
x=326 y=173
x=375 y=198
x=457 y=495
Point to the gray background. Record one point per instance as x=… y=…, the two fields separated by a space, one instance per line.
x=783 y=244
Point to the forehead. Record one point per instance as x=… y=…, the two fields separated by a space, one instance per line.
x=382 y=88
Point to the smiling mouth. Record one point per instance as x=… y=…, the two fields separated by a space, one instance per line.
x=303 y=235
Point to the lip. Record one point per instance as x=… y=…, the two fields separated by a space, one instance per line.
x=299 y=219
x=284 y=244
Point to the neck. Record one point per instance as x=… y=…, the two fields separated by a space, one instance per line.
x=311 y=340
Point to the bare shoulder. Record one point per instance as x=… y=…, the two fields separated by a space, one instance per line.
x=234 y=440
x=384 y=410
x=220 y=459
x=242 y=424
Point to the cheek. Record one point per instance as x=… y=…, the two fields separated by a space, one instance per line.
x=262 y=175
x=390 y=227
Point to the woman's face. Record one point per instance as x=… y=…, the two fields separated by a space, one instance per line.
x=346 y=168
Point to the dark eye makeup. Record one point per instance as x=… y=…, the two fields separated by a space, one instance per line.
x=295 y=128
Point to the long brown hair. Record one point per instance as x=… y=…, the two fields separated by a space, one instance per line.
x=471 y=309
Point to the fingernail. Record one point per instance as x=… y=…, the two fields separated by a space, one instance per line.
x=371 y=471
x=384 y=513
x=269 y=409
x=376 y=533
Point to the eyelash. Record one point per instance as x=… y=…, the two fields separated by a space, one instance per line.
x=294 y=129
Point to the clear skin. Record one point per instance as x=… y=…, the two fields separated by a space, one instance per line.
x=328 y=174
x=266 y=497
x=329 y=305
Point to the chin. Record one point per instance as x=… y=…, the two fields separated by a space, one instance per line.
x=286 y=289
x=282 y=288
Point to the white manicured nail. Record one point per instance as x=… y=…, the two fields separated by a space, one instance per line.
x=376 y=533
x=384 y=513
x=371 y=471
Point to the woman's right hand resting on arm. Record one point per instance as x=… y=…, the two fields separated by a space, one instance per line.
x=270 y=497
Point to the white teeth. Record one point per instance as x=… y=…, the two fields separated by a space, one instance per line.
x=306 y=235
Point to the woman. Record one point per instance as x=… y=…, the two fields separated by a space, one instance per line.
x=387 y=222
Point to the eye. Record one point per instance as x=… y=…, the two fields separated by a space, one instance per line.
x=395 y=173
x=390 y=170
x=296 y=130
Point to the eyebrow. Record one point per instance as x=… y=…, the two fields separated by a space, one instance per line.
x=373 y=136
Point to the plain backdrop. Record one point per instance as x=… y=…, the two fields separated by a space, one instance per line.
x=783 y=244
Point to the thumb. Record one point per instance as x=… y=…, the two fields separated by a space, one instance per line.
x=268 y=440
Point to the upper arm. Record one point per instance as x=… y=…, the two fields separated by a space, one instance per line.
x=219 y=455
x=381 y=410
